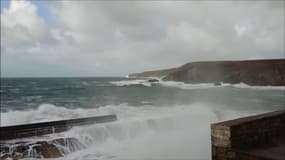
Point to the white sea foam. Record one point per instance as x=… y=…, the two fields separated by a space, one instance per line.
x=148 y=132
x=175 y=84
x=45 y=112
x=84 y=83
x=132 y=82
x=146 y=103
x=243 y=85
x=183 y=85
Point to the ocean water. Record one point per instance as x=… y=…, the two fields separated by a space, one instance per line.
x=158 y=121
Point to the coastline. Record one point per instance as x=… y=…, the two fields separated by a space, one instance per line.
x=250 y=72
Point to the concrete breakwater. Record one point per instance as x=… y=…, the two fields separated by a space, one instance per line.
x=259 y=137
x=249 y=138
x=42 y=128
x=13 y=144
x=41 y=149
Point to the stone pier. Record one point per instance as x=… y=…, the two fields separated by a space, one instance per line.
x=259 y=137
x=42 y=128
x=53 y=148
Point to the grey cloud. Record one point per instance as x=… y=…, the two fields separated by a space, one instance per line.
x=114 y=38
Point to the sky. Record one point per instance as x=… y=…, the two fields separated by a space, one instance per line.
x=114 y=38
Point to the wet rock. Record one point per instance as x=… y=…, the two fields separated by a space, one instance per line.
x=17 y=155
x=48 y=151
x=217 y=83
x=153 y=80
x=4 y=148
x=21 y=148
x=4 y=156
x=40 y=149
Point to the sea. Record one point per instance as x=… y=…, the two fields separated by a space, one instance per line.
x=156 y=120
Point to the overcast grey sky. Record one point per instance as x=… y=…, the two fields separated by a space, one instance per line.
x=114 y=38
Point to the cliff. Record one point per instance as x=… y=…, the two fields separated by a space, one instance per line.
x=157 y=73
x=251 y=72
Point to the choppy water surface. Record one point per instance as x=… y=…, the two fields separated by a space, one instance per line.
x=164 y=120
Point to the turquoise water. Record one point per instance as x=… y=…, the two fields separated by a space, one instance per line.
x=171 y=118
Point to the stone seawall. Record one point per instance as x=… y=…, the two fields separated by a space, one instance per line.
x=20 y=141
x=42 y=128
x=250 y=138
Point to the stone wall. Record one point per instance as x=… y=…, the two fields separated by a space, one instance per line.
x=43 y=128
x=230 y=138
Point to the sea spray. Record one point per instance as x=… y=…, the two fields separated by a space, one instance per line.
x=140 y=132
x=182 y=85
x=51 y=147
x=155 y=120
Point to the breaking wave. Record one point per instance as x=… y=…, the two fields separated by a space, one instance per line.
x=243 y=85
x=182 y=85
x=170 y=132
x=132 y=82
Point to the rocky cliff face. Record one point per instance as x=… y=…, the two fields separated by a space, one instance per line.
x=251 y=72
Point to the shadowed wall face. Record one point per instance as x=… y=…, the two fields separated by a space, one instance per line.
x=244 y=134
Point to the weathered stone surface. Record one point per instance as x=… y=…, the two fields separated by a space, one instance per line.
x=237 y=139
x=251 y=72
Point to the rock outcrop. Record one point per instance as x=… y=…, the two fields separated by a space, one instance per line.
x=251 y=72
x=153 y=80
x=41 y=149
